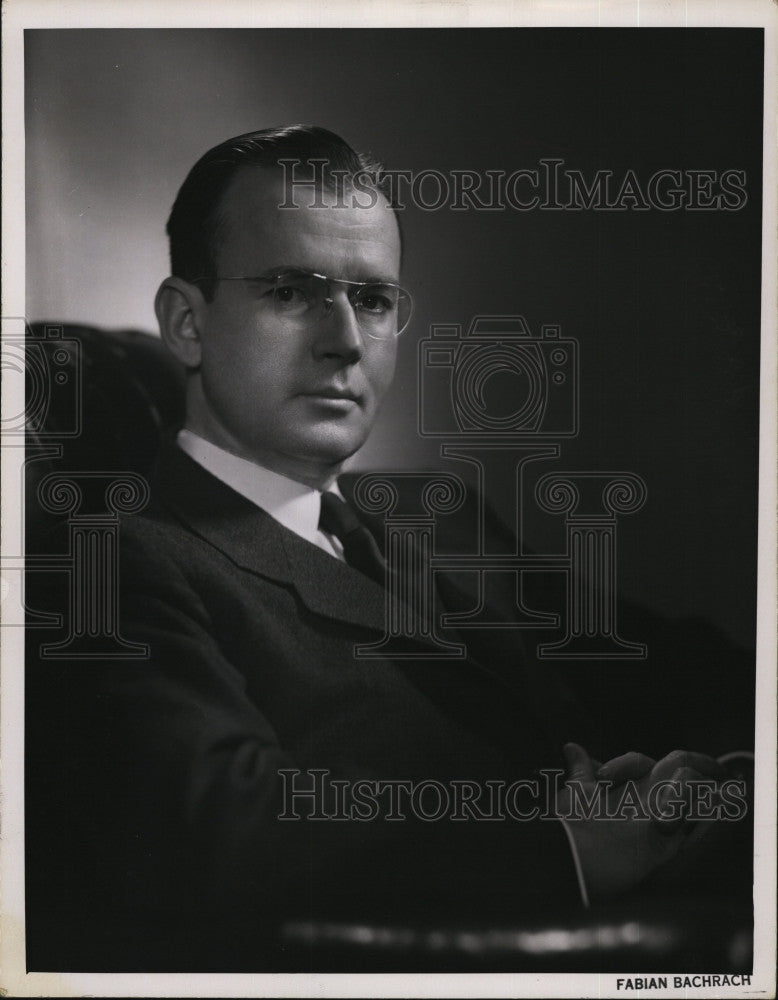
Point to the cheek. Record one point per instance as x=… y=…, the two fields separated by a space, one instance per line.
x=380 y=363
x=241 y=361
x=237 y=387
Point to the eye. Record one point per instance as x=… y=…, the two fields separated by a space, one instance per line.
x=377 y=300
x=288 y=293
x=294 y=292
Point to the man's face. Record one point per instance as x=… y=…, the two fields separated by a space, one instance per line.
x=297 y=401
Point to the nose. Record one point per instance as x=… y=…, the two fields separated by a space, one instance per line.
x=338 y=334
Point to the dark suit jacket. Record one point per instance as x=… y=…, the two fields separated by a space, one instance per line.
x=153 y=785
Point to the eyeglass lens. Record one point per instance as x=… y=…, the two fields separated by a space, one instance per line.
x=382 y=310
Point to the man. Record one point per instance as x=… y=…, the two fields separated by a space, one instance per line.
x=179 y=777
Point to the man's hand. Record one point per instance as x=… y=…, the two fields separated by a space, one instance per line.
x=617 y=854
x=681 y=767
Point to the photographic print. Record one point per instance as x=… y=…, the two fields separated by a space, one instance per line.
x=388 y=501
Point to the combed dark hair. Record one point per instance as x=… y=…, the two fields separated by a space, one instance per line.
x=194 y=220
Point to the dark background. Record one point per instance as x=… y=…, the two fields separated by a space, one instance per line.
x=665 y=305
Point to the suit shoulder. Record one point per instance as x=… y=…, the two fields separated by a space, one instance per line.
x=155 y=542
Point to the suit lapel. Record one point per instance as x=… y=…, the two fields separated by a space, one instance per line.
x=253 y=540
x=256 y=542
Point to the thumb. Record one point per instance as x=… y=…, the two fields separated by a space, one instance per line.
x=580 y=766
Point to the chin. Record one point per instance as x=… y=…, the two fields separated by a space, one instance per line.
x=333 y=449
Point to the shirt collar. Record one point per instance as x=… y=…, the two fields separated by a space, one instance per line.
x=294 y=505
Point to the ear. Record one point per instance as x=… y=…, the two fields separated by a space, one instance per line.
x=178 y=305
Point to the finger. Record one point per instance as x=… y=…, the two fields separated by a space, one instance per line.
x=705 y=765
x=628 y=767
x=580 y=766
x=679 y=803
x=671 y=802
x=668 y=815
x=702 y=800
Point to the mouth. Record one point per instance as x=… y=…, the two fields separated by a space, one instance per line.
x=334 y=395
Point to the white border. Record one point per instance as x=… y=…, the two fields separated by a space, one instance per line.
x=19 y=14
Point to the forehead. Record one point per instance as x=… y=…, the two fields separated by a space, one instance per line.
x=348 y=241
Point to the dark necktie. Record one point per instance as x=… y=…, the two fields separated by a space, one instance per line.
x=359 y=547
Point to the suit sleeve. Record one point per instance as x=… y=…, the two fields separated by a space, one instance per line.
x=167 y=782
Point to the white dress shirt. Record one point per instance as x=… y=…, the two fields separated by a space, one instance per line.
x=292 y=504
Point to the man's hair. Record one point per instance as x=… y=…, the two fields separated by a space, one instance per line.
x=194 y=224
